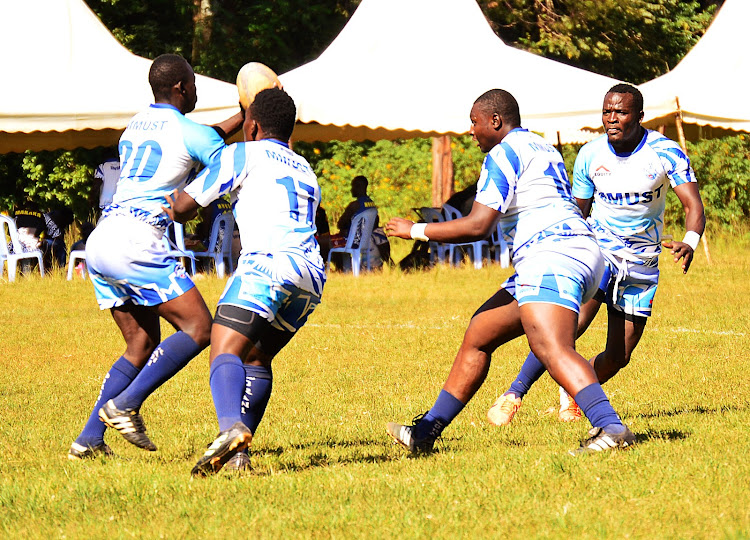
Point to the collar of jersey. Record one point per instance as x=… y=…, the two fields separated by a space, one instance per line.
x=519 y=129
x=277 y=141
x=626 y=154
x=165 y=106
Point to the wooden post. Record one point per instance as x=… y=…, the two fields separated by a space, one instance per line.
x=442 y=170
x=437 y=173
x=683 y=144
x=447 y=164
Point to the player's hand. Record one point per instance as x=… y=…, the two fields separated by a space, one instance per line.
x=170 y=204
x=399 y=227
x=680 y=250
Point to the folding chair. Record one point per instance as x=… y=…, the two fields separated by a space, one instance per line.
x=219 y=245
x=477 y=248
x=358 y=241
x=176 y=248
x=437 y=250
x=18 y=253
x=76 y=255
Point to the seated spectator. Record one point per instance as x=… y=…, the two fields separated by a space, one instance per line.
x=361 y=202
x=323 y=235
x=380 y=248
x=54 y=249
x=464 y=199
x=31 y=225
x=85 y=230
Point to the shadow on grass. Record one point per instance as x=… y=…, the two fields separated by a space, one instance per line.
x=323 y=454
x=698 y=409
x=660 y=434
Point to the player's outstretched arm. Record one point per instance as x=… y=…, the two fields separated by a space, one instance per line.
x=476 y=226
x=230 y=126
x=181 y=207
x=695 y=224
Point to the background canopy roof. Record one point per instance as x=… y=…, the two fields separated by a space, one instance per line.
x=404 y=68
x=69 y=83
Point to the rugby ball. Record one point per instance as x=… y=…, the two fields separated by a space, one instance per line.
x=252 y=78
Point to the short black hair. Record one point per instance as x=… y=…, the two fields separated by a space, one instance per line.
x=166 y=71
x=360 y=179
x=501 y=102
x=276 y=113
x=624 y=88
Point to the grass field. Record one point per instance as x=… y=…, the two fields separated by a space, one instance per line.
x=378 y=349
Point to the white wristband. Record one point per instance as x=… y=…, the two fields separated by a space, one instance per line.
x=691 y=239
x=417 y=232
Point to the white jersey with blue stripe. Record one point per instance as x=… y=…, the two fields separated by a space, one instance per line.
x=630 y=192
x=160 y=151
x=274 y=196
x=524 y=178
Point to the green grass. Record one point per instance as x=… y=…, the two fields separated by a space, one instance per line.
x=378 y=349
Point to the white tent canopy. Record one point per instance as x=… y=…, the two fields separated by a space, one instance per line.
x=69 y=83
x=414 y=67
x=712 y=80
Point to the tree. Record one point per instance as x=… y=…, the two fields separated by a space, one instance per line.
x=630 y=40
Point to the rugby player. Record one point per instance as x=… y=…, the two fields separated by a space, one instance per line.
x=523 y=186
x=279 y=277
x=620 y=183
x=132 y=274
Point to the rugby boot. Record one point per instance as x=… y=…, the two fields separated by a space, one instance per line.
x=129 y=423
x=504 y=409
x=227 y=444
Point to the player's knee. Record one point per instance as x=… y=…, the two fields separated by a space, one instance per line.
x=200 y=331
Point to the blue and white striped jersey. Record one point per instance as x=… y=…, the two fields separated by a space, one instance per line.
x=274 y=196
x=524 y=178
x=160 y=151
x=630 y=192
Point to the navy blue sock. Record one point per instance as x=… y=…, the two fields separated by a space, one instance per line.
x=594 y=403
x=445 y=409
x=258 y=385
x=120 y=375
x=530 y=372
x=169 y=357
x=227 y=388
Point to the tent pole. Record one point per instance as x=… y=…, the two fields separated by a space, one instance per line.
x=683 y=144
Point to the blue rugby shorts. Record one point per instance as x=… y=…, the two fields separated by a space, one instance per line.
x=562 y=270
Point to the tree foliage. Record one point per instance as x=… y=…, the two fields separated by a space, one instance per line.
x=630 y=40
x=722 y=167
x=399 y=172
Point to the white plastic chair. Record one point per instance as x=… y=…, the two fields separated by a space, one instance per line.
x=478 y=248
x=438 y=251
x=177 y=248
x=358 y=241
x=500 y=248
x=219 y=245
x=18 y=252
x=76 y=255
